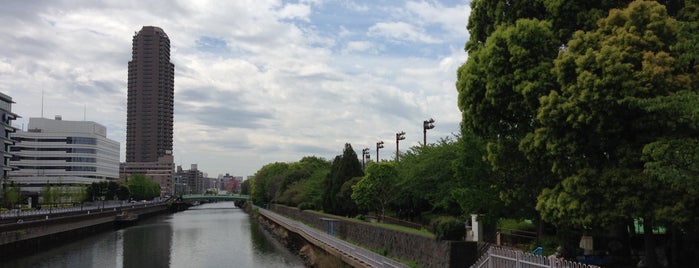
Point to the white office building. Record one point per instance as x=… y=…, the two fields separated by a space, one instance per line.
x=67 y=153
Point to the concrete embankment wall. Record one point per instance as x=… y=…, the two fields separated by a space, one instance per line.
x=423 y=250
x=30 y=236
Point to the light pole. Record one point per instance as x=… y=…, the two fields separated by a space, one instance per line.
x=365 y=157
x=427 y=124
x=379 y=145
x=399 y=136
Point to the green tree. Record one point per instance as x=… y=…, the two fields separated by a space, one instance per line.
x=609 y=110
x=342 y=170
x=140 y=187
x=245 y=187
x=377 y=188
x=48 y=195
x=499 y=90
x=427 y=180
x=12 y=195
x=267 y=182
x=475 y=192
x=303 y=182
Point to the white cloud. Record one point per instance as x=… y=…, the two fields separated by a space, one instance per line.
x=360 y=46
x=295 y=11
x=400 y=31
x=287 y=85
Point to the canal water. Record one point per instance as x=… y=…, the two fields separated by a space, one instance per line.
x=210 y=235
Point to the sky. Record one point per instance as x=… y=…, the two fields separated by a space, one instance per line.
x=256 y=82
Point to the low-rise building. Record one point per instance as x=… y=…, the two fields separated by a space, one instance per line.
x=61 y=152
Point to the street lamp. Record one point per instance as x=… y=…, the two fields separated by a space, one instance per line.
x=427 y=124
x=365 y=156
x=399 y=136
x=379 y=145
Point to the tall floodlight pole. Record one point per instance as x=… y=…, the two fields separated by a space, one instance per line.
x=365 y=157
x=399 y=137
x=368 y=157
x=379 y=145
x=427 y=124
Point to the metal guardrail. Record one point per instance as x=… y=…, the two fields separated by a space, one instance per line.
x=498 y=257
x=370 y=258
x=14 y=216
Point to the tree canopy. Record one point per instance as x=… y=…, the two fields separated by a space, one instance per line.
x=142 y=187
x=344 y=168
x=377 y=188
x=587 y=108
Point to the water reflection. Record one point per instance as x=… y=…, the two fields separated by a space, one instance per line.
x=211 y=235
x=147 y=246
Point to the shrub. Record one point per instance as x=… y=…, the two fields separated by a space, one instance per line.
x=306 y=206
x=448 y=228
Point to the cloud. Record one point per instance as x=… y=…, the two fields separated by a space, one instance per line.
x=360 y=46
x=400 y=31
x=255 y=81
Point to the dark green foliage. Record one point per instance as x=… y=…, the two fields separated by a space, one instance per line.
x=336 y=197
x=302 y=184
x=290 y=183
x=142 y=187
x=267 y=181
x=377 y=188
x=427 y=179
x=448 y=228
x=306 y=206
x=588 y=106
x=10 y=195
x=245 y=187
x=111 y=190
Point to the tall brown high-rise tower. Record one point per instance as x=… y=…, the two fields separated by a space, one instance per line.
x=151 y=90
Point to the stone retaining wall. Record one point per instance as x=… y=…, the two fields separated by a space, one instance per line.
x=423 y=250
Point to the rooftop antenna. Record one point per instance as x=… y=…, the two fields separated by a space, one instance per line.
x=84 y=111
x=42 y=103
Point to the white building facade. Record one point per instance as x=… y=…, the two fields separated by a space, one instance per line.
x=66 y=153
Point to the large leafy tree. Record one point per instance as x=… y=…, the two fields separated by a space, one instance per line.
x=427 y=179
x=377 y=188
x=303 y=182
x=267 y=181
x=141 y=187
x=499 y=90
x=626 y=95
x=343 y=169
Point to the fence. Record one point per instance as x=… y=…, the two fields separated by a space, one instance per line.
x=497 y=257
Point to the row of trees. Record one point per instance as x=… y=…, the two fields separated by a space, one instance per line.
x=139 y=187
x=432 y=180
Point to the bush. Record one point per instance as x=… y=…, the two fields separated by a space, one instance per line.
x=306 y=206
x=448 y=228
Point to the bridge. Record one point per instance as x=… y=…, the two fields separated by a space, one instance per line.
x=201 y=197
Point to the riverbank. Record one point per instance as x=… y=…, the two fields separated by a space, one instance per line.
x=40 y=232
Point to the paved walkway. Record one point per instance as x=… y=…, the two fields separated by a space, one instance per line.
x=351 y=252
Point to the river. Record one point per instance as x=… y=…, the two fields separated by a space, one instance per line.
x=210 y=235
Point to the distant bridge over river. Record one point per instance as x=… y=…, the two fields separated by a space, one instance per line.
x=202 y=197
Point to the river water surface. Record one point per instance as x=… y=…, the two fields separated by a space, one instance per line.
x=210 y=235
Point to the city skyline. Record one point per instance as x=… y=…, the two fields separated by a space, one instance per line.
x=254 y=84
